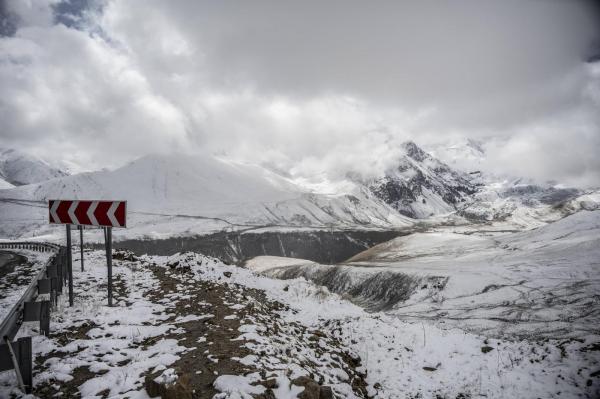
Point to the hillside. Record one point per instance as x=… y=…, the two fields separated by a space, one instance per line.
x=198 y=192
x=18 y=168
x=4 y=184
x=541 y=282
x=183 y=194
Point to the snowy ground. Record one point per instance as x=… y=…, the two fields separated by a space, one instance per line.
x=539 y=283
x=191 y=324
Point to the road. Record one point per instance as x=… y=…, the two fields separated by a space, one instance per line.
x=8 y=261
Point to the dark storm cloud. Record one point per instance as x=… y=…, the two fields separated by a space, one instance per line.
x=446 y=54
x=312 y=87
x=8 y=20
x=73 y=13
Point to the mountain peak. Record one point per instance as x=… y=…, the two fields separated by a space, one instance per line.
x=421 y=186
x=414 y=151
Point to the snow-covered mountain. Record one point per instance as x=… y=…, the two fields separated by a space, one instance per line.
x=18 y=168
x=524 y=204
x=180 y=194
x=510 y=200
x=421 y=186
x=4 y=184
x=466 y=155
x=202 y=190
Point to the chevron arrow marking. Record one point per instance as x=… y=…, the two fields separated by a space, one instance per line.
x=53 y=216
x=71 y=212
x=88 y=213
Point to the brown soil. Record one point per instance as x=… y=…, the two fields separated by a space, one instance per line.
x=210 y=340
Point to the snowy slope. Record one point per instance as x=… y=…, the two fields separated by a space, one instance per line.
x=201 y=190
x=421 y=186
x=18 y=168
x=511 y=202
x=542 y=282
x=466 y=155
x=194 y=323
x=522 y=205
x=4 y=184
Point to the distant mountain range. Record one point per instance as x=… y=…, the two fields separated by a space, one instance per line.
x=201 y=190
x=163 y=190
x=18 y=168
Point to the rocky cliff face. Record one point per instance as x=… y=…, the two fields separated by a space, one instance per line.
x=421 y=186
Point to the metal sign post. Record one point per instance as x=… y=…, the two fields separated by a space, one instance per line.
x=108 y=243
x=70 y=264
x=81 y=246
x=105 y=214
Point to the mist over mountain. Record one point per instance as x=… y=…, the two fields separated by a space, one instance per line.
x=421 y=186
x=82 y=80
x=230 y=194
x=18 y=168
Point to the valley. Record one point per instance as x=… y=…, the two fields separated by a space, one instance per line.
x=415 y=280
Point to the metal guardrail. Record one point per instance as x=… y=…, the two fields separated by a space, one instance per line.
x=33 y=246
x=50 y=280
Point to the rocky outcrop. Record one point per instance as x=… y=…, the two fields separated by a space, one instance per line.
x=421 y=186
x=234 y=247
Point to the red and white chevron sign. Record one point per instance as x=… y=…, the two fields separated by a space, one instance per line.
x=88 y=213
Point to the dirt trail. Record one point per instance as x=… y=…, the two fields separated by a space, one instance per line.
x=207 y=316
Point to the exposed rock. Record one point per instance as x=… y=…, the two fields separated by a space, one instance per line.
x=124 y=254
x=421 y=185
x=271 y=383
x=177 y=390
x=325 y=392
x=311 y=388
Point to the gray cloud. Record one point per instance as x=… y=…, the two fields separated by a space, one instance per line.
x=312 y=88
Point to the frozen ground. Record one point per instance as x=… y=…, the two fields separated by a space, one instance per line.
x=540 y=283
x=190 y=322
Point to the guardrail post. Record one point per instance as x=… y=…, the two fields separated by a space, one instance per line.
x=70 y=264
x=44 y=286
x=108 y=242
x=59 y=269
x=45 y=318
x=25 y=360
x=54 y=291
x=38 y=311
x=81 y=245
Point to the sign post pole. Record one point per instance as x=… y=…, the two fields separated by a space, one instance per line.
x=108 y=236
x=81 y=245
x=70 y=264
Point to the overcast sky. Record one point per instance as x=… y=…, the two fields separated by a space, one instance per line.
x=310 y=87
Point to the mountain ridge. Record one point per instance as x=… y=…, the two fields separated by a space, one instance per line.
x=421 y=186
x=174 y=188
x=18 y=168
